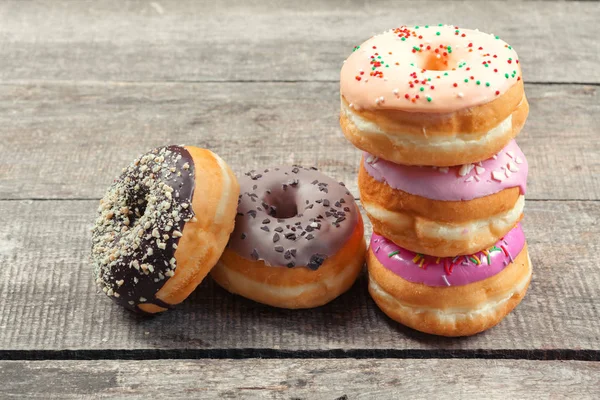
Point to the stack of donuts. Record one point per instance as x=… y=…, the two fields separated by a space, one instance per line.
x=435 y=110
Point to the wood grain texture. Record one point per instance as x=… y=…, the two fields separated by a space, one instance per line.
x=49 y=302
x=301 y=379
x=169 y=40
x=71 y=140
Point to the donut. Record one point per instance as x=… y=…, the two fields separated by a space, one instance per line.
x=162 y=226
x=432 y=95
x=445 y=211
x=448 y=296
x=298 y=240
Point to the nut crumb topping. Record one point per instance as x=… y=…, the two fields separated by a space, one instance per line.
x=140 y=221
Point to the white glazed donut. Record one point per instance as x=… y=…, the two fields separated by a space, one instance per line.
x=432 y=95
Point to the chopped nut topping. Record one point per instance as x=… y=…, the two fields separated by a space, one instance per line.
x=132 y=243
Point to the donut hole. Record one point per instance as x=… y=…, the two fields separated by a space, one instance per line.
x=285 y=211
x=436 y=62
x=139 y=209
x=282 y=204
x=136 y=205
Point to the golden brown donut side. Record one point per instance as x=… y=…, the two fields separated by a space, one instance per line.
x=454 y=152
x=474 y=120
x=297 y=287
x=214 y=202
x=450 y=311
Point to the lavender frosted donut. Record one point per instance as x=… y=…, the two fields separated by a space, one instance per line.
x=505 y=170
x=445 y=211
x=300 y=219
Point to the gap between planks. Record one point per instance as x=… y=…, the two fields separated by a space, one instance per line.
x=266 y=353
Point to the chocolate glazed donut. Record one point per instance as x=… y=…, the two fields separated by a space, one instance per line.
x=161 y=226
x=298 y=239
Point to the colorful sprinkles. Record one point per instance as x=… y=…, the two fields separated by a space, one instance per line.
x=460 y=270
x=438 y=56
x=473 y=260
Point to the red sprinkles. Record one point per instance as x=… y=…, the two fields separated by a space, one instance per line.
x=440 y=57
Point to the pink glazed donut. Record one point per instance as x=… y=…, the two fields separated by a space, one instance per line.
x=449 y=296
x=432 y=95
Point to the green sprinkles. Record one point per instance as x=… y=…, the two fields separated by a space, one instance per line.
x=487 y=84
x=393 y=253
x=438 y=33
x=466 y=80
x=506 y=76
x=429 y=99
x=478 y=82
x=422 y=89
x=403 y=38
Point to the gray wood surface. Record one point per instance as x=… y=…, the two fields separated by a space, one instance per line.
x=85 y=86
x=71 y=140
x=269 y=40
x=301 y=379
x=48 y=300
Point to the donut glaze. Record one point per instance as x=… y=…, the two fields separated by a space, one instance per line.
x=430 y=69
x=292 y=216
x=140 y=222
x=505 y=170
x=448 y=271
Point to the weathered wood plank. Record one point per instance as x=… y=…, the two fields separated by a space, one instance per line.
x=49 y=302
x=301 y=379
x=71 y=140
x=237 y=40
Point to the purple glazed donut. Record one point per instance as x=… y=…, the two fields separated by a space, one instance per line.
x=300 y=219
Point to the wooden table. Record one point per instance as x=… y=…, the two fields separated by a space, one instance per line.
x=87 y=86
